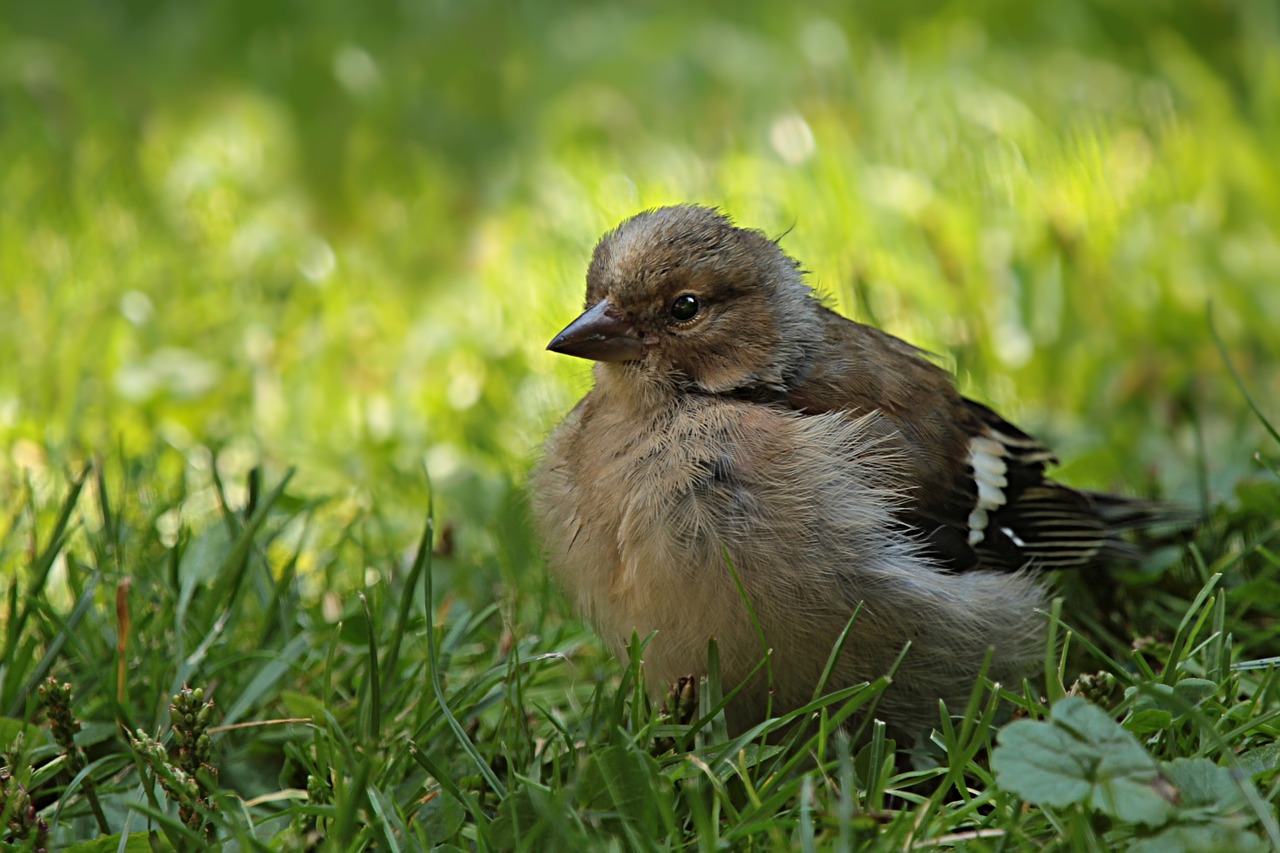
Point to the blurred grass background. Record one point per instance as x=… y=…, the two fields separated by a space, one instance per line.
x=338 y=235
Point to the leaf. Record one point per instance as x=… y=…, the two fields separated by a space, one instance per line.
x=205 y=555
x=1201 y=838
x=1148 y=720
x=298 y=704
x=138 y=842
x=518 y=818
x=1168 y=703
x=1118 y=748
x=1041 y=764
x=1082 y=756
x=1135 y=799
x=1258 y=496
x=1203 y=784
x=1193 y=691
x=1261 y=760
x=442 y=816
x=620 y=779
x=11 y=727
x=95 y=732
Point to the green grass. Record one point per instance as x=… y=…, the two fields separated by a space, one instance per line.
x=274 y=290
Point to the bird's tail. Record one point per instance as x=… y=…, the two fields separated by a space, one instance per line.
x=1165 y=521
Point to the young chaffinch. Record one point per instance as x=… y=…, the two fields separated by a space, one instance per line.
x=733 y=414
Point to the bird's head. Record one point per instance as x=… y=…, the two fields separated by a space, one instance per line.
x=679 y=295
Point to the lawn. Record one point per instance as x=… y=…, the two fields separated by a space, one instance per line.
x=275 y=286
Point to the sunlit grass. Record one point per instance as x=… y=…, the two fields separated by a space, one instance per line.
x=337 y=245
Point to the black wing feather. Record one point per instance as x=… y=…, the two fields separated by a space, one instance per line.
x=1040 y=524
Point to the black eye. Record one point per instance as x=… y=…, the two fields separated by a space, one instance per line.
x=685 y=307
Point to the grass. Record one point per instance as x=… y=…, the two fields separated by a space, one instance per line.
x=275 y=288
x=398 y=716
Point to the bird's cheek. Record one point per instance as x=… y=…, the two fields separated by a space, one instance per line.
x=720 y=371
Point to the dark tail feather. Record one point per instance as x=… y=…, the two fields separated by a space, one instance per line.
x=1122 y=513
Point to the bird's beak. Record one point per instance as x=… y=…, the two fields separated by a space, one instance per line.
x=599 y=334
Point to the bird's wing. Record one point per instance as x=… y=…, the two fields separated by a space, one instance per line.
x=1022 y=518
x=977 y=487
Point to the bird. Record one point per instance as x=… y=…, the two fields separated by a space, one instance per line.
x=753 y=468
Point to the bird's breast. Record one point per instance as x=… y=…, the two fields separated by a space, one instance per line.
x=634 y=512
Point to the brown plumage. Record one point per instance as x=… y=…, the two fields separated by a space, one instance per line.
x=734 y=414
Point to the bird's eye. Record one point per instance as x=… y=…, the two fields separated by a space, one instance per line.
x=685 y=307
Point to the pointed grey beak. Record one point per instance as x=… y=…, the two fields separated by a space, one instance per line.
x=599 y=334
